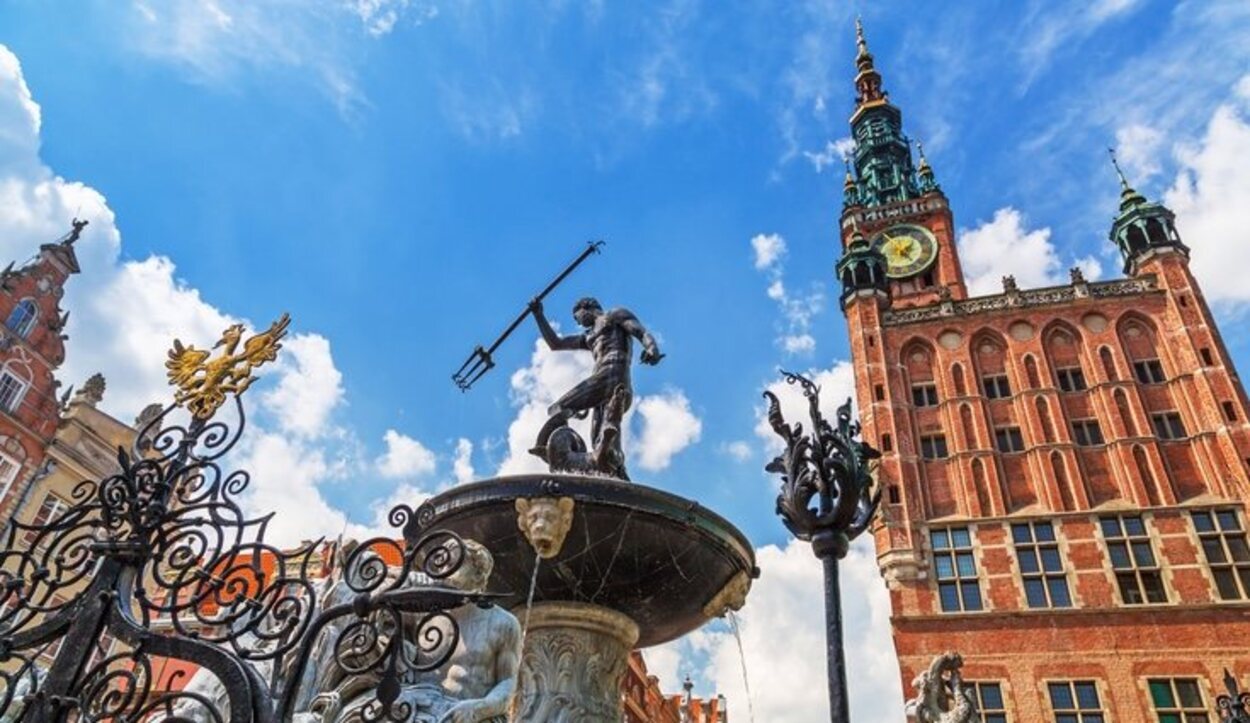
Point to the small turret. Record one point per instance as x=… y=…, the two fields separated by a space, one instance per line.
x=850 y=192
x=1142 y=228
x=861 y=270
x=927 y=182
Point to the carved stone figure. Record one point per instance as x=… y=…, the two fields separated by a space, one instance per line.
x=22 y=688
x=475 y=685
x=607 y=394
x=730 y=598
x=941 y=696
x=546 y=521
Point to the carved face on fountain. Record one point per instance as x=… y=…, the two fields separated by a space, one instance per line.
x=545 y=521
x=475 y=571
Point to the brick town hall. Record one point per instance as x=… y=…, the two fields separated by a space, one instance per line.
x=1065 y=468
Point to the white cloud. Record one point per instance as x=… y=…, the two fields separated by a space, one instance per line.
x=404 y=457
x=462 y=465
x=1063 y=27
x=213 y=40
x=1137 y=148
x=769 y=248
x=833 y=152
x=797 y=311
x=303 y=399
x=125 y=314
x=837 y=383
x=1004 y=246
x=739 y=450
x=668 y=427
x=783 y=622
x=534 y=388
x=1209 y=198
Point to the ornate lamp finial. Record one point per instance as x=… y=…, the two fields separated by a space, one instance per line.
x=203 y=383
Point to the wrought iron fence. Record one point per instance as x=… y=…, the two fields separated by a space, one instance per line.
x=161 y=561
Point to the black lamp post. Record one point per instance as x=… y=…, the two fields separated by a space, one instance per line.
x=832 y=466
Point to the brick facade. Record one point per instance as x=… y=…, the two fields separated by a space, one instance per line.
x=1065 y=471
x=32 y=346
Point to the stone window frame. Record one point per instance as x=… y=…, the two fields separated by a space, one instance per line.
x=1071 y=379
x=1239 y=570
x=1015 y=442
x=1180 y=712
x=925 y=392
x=1087 y=432
x=13 y=401
x=954 y=552
x=1149 y=371
x=1034 y=545
x=7 y=479
x=995 y=715
x=22 y=317
x=999 y=383
x=1077 y=715
x=931 y=442
x=1150 y=536
x=1168 y=426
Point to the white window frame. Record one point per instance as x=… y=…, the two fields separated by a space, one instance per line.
x=23 y=386
x=27 y=323
x=7 y=484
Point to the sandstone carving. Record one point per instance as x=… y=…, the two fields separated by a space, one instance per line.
x=546 y=521
x=731 y=597
x=941 y=696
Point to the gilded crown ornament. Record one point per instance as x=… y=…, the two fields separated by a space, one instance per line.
x=203 y=382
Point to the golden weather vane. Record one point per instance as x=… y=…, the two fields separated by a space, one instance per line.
x=203 y=383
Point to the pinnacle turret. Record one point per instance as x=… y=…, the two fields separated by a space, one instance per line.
x=1142 y=228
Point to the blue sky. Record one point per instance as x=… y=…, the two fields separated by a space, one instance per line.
x=402 y=175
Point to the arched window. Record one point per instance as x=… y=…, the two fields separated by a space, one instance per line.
x=1143 y=351
x=22 y=318
x=981 y=487
x=1108 y=364
x=1043 y=420
x=1126 y=413
x=1030 y=370
x=1155 y=232
x=965 y=419
x=1062 y=352
x=1067 y=499
x=918 y=360
x=1147 y=479
x=992 y=366
x=961 y=386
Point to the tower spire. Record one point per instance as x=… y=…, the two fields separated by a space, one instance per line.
x=1129 y=197
x=867 y=79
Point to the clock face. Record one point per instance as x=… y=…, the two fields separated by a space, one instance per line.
x=908 y=250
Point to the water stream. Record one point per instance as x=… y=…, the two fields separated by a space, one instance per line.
x=742 y=656
x=529 y=602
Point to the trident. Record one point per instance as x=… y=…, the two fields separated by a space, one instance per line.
x=482 y=360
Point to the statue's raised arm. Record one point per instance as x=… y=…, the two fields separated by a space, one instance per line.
x=606 y=395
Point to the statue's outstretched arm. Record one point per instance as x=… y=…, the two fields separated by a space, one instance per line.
x=554 y=340
x=650 y=350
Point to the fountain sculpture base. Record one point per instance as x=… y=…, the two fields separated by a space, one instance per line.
x=575 y=657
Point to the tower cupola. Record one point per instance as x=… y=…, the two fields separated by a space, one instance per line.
x=862 y=270
x=1142 y=228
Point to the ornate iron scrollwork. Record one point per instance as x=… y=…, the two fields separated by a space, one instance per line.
x=161 y=561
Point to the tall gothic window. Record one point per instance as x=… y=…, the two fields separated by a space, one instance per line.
x=1228 y=555
x=958 y=587
x=1133 y=560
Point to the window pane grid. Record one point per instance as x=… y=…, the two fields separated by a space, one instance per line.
x=933 y=447
x=1071 y=379
x=990 y=704
x=1168 y=425
x=1133 y=560
x=955 y=570
x=1086 y=432
x=924 y=395
x=1008 y=439
x=11 y=389
x=996 y=386
x=1041 y=565
x=1075 y=701
x=1227 y=552
x=1149 y=371
x=1178 y=700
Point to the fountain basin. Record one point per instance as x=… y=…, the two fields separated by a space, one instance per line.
x=653 y=556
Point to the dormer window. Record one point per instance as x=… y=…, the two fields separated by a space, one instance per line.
x=22 y=318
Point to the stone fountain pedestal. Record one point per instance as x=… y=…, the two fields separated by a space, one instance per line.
x=619 y=566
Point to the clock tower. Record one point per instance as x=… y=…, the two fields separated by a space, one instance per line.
x=1065 y=470
x=898 y=207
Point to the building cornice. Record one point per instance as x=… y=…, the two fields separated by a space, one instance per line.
x=1016 y=300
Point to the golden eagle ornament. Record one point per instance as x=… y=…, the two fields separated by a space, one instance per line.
x=203 y=382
